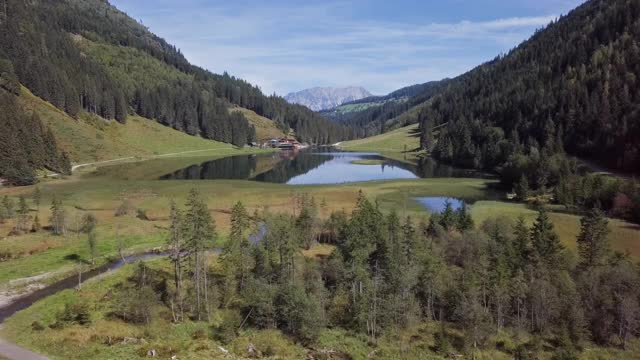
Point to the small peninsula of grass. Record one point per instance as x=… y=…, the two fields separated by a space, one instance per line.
x=368 y=162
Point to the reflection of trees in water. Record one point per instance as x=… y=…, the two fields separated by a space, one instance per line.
x=244 y=167
x=287 y=169
x=430 y=168
x=234 y=167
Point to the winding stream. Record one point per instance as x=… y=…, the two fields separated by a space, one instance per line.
x=68 y=283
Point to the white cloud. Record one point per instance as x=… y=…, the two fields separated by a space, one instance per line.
x=285 y=49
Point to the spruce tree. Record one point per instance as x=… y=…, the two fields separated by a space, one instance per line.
x=8 y=207
x=36 y=224
x=521 y=243
x=23 y=215
x=58 y=217
x=593 y=244
x=176 y=244
x=464 y=219
x=522 y=188
x=199 y=234
x=235 y=257
x=37 y=197
x=448 y=219
x=544 y=240
x=89 y=223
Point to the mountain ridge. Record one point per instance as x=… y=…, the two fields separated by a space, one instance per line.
x=324 y=98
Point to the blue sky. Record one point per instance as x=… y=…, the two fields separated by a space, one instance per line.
x=288 y=45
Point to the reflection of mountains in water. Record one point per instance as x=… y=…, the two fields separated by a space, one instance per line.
x=234 y=167
x=277 y=168
x=282 y=167
x=292 y=167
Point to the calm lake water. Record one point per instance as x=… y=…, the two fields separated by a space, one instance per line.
x=438 y=204
x=324 y=166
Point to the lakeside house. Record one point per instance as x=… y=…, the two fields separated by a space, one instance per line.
x=285 y=143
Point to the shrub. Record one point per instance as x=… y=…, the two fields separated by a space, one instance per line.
x=142 y=215
x=37 y=326
x=73 y=313
x=227 y=330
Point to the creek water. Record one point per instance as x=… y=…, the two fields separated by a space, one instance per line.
x=68 y=283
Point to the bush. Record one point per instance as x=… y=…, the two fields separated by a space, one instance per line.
x=123 y=209
x=37 y=326
x=135 y=305
x=227 y=330
x=73 y=313
x=142 y=215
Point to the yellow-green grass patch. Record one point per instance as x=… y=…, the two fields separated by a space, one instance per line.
x=368 y=162
x=392 y=141
x=624 y=237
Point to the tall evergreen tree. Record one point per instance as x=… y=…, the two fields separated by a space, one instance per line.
x=178 y=248
x=58 y=217
x=545 y=243
x=199 y=234
x=593 y=244
x=89 y=223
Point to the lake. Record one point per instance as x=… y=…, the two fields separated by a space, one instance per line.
x=312 y=167
x=437 y=204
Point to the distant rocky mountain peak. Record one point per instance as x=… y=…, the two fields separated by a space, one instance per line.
x=323 y=98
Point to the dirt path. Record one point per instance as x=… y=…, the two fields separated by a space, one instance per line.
x=15 y=352
x=75 y=167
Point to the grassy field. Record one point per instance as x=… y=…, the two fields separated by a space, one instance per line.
x=368 y=162
x=102 y=191
x=399 y=144
x=39 y=253
x=399 y=140
x=624 y=236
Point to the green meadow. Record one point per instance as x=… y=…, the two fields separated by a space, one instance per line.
x=102 y=190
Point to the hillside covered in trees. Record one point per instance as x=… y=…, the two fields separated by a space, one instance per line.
x=572 y=87
x=26 y=143
x=61 y=51
x=377 y=114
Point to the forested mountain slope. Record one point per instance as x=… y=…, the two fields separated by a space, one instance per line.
x=573 y=86
x=89 y=138
x=25 y=142
x=87 y=56
x=378 y=114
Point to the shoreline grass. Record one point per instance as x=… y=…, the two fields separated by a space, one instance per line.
x=368 y=162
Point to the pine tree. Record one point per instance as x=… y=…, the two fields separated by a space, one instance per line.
x=36 y=224
x=37 y=197
x=199 y=234
x=522 y=188
x=236 y=253
x=428 y=140
x=177 y=247
x=8 y=207
x=593 y=244
x=521 y=243
x=58 y=217
x=545 y=242
x=23 y=215
x=448 y=219
x=464 y=219
x=89 y=223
